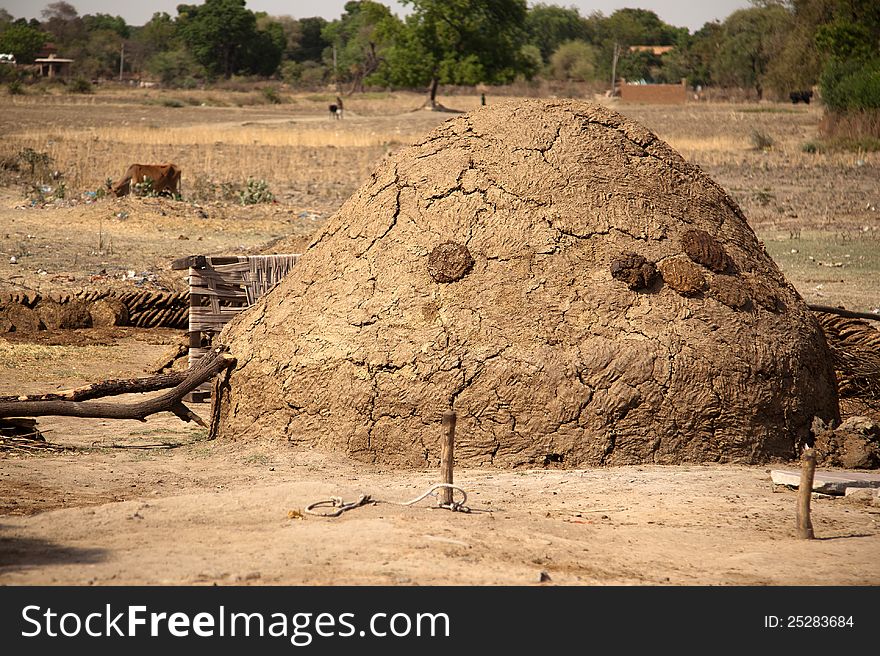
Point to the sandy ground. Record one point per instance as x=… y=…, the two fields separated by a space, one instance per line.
x=157 y=503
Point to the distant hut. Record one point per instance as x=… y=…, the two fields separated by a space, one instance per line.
x=53 y=66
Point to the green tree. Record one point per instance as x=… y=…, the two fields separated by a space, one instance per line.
x=549 y=26
x=22 y=41
x=358 y=40
x=219 y=34
x=174 y=67
x=117 y=24
x=458 y=42
x=693 y=56
x=574 y=60
x=263 y=52
x=158 y=35
x=312 y=42
x=62 y=21
x=751 y=39
x=99 y=55
x=631 y=27
x=850 y=43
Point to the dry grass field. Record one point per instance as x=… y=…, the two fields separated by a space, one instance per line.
x=127 y=502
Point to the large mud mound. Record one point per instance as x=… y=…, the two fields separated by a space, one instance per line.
x=560 y=277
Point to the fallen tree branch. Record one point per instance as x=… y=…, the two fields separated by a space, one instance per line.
x=111 y=387
x=171 y=401
x=851 y=314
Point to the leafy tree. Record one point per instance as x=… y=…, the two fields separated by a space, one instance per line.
x=458 y=42
x=549 y=26
x=357 y=37
x=292 y=32
x=158 y=35
x=98 y=55
x=174 y=67
x=220 y=35
x=751 y=39
x=262 y=53
x=312 y=42
x=850 y=78
x=117 y=24
x=61 y=20
x=631 y=27
x=574 y=60
x=845 y=40
x=23 y=41
x=851 y=85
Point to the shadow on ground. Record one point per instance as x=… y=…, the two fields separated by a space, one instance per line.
x=20 y=553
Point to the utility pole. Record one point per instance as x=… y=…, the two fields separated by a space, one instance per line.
x=614 y=68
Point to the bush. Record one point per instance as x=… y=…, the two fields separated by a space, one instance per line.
x=80 y=85
x=761 y=140
x=851 y=85
x=256 y=191
x=38 y=162
x=15 y=88
x=573 y=60
x=271 y=95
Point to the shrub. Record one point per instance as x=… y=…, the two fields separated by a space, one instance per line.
x=761 y=140
x=80 y=85
x=851 y=85
x=256 y=191
x=15 y=88
x=38 y=162
x=271 y=95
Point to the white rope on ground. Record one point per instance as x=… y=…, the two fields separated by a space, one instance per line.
x=340 y=506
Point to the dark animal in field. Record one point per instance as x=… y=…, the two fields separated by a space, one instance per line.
x=800 y=96
x=161 y=178
x=334 y=111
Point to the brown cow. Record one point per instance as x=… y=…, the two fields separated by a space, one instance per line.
x=164 y=178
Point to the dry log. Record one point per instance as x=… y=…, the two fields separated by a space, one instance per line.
x=873 y=316
x=110 y=387
x=171 y=401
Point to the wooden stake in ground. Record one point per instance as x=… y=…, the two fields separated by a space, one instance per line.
x=446 y=456
x=805 y=490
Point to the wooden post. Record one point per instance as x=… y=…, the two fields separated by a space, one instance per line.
x=446 y=456
x=805 y=490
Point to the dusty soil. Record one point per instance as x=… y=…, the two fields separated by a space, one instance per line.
x=156 y=503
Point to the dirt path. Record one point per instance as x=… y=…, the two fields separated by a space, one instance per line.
x=213 y=514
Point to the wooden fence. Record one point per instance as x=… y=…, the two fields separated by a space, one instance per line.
x=220 y=288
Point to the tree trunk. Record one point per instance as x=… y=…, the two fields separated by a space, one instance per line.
x=432 y=95
x=171 y=401
x=111 y=387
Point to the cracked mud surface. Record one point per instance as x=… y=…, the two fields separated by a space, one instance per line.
x=544 y=355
